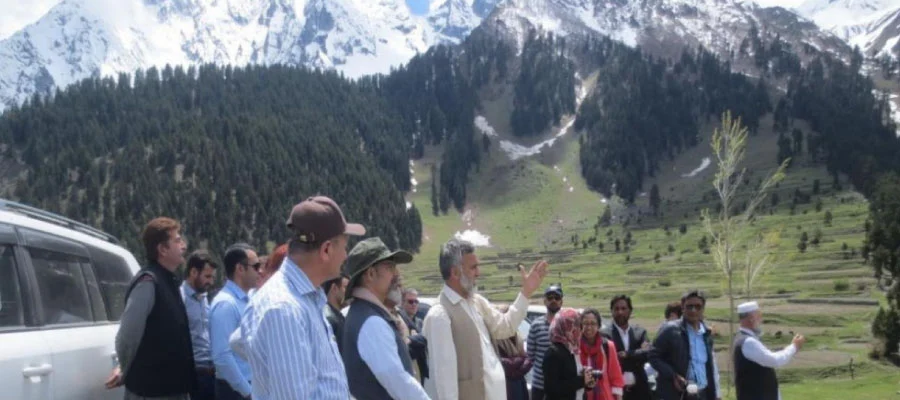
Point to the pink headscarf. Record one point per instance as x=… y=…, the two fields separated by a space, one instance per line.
x=565 y=330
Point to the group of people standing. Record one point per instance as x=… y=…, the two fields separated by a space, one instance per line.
x=280 y=329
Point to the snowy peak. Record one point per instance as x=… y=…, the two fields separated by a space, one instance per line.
x=662 y=27
x=81 y=38
x=869 y=24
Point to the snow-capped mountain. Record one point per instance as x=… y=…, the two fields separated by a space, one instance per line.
x=663 y=27
x=870 y=24
x=81 y=38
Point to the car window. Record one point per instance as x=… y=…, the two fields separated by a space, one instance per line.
x=62 y=287
x=11 y=314
x=114 y=277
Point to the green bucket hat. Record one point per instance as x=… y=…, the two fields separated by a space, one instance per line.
x=368 y=253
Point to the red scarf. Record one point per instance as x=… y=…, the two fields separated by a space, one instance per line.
x=592 y=354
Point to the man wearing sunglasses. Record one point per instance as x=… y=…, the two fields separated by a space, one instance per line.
x=242 y=272
x=539 y=339
x=683 y=355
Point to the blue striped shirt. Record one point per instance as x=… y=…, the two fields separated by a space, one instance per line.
x=538 y=343
x=293 y=354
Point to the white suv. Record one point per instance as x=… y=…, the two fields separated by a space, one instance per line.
x=62 y=291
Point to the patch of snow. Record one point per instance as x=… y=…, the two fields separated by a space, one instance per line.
x=408 y=205
x=895 y=112
x=485 y=126
x=703 y=165
x=571 y=189
x=604 y=200
x=476 y=238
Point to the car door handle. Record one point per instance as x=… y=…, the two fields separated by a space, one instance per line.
x=42 y=370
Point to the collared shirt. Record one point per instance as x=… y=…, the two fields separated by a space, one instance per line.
x=197 y=307
x=755 y=351
x=442 y=351
x=377 y=346
x=292 y=351
x=225 y=317
x=626 y=339
x=696 y=369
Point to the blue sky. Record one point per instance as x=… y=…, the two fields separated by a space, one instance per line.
x=418 y=6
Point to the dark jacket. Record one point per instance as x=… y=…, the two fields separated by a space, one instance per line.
x=164 y=362
x=751 y=380
x=634 y=360
x=363 y=383
x=336 y=319
x=561 y=378
x=671 y=355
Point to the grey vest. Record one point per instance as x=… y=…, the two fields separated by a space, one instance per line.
x=363 y=384
x=751 y=380
x=467 y=344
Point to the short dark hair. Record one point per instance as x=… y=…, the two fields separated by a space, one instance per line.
x=331 y=282
x=198 y=260
x=693 y=293
x=612 y=303
x=234 y=255
x=673 y=307
x=155 y=233
x=595 y=313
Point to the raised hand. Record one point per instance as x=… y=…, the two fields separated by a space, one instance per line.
x=532 y=280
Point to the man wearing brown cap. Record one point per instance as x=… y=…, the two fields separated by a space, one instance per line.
x=375 y=353
x=289 y=342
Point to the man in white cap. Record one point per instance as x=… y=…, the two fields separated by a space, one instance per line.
x=754 y=364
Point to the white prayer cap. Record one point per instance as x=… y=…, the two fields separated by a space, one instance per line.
x=747 y=307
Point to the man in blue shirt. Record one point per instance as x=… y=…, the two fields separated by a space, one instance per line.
x=199 y=276
x=683 y=355
x=232 y=372
x=289 y=342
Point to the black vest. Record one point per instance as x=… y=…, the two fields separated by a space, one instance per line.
x=164 y=362
x=363 y=385
x=751 y=380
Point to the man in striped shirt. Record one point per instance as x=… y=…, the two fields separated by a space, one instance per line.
x=291 y=347
x=539 y=339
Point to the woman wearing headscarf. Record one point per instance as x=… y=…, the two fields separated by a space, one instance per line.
x=598 y=353
x=564 y=376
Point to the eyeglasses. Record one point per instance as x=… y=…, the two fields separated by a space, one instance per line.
x=554 y=298
x=412 y=302
x=256 y=266
x=694 y=307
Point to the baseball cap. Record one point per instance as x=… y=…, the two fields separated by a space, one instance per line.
x=318 y=219
x=555 y=288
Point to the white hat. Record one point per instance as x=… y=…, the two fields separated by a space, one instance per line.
x=747 y=307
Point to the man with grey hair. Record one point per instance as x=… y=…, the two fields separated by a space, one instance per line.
x=754 y=364
x=461 y=359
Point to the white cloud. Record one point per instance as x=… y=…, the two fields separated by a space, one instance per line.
x=17 y=14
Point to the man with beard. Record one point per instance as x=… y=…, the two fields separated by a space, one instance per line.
x=201 y=272
x=462 y=360
x=375 y=351
x=634 y=348
x=754 y=364
x=539 y=339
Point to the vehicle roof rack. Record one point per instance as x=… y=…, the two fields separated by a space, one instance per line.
x=56 y=219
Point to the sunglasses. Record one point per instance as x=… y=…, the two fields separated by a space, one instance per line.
x=693 y=307
x=256 y=266
x=412 y=302
x=554 y=298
